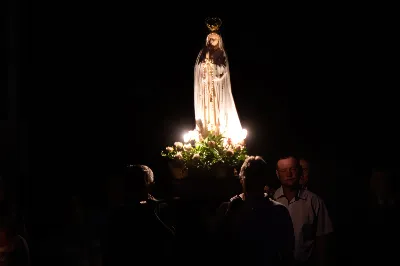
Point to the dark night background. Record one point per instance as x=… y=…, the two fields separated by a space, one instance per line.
x=104 y=84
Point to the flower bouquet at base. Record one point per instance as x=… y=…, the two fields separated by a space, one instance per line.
x=213 y=154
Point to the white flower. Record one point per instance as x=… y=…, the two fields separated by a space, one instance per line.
x=196 y=156
x=187 y=147
x=169 y=149
x=178 y=155
x=238 y=147
x=178 y=145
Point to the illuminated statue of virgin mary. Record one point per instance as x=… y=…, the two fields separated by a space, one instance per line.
x=215 y=109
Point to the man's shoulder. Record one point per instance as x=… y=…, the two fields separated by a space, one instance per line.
x=311 y=195
x=313 y=200
x=234 y=200
x=277 y=204
x=236 y=197
x=279 y=207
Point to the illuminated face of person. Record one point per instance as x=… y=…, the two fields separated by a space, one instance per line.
x=288 y=172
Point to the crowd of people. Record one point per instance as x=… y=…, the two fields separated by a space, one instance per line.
x=266 y=215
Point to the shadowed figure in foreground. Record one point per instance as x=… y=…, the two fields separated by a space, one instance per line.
x=253 y=228
x=134 y=231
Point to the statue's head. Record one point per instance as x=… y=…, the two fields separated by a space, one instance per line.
x=213 y=39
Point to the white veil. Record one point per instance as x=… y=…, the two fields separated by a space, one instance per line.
x=230 y=125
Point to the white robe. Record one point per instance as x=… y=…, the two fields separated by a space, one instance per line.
x=213 y=100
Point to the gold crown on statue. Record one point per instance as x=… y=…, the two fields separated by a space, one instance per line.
x=213 y=24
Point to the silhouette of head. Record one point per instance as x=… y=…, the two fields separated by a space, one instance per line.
x=254 y=175
x=138 y=180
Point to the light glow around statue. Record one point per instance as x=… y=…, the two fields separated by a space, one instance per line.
x=215 y=110
x=218 y=140
x=194 y=135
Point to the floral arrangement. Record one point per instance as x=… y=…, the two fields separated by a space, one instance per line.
x=207 y=152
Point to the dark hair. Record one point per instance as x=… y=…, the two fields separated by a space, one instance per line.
x=253 y=166
x=139 y=176
x=287 y=156
x=255 y=172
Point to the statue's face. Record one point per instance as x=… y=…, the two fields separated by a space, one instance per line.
x=213 y=39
